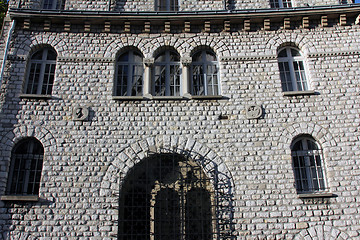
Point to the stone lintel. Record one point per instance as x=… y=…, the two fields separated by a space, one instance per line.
x=305 y=22
x=107 y=26
x=247 y=25
x=267 y=24
x=47 y=25
x=187 y=26
x=324 y=21
x=127 y=27
x=87 y=26
x=207 y=26
x=67 y=26
x=287 y=23
x=227 y=26
x=167 y=27
x=147 y=27
x=343 y=20
x=27 y=23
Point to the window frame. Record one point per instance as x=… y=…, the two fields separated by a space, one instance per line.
x=168 y=86
x=204 y=75
x=130 y=64
x=281 y=4
x=24 y=164
x=165 y=5
x=308 y=165
x=289 y=83
x=41 y=65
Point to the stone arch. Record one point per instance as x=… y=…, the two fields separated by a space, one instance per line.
x=135 y=42
x=28 y=46
x=42 y=134
x=290 y=39
x=135 y=152
x=320 y=134
x=212 y=165
x=321 y=232
x=220 y=48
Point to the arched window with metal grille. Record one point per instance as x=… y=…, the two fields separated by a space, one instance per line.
x=204 y=73
x=166 y=196
x=41 y=72
x=25 y=168
x=308 y=165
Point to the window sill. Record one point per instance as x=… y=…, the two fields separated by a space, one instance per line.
x=19 y=198
x=35 y=96
x=167 y=98
x=128 y=98
x=299 y=93
x=316 y=195
x=206 y=97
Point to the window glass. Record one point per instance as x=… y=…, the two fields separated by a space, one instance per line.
x=292 y=70
x=167 y=5
x=204 y=73
x=167 y=74
x=307 y=163
x=129 y=74
x=41 y=72
x=25 y=168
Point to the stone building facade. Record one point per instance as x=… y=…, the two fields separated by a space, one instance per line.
x=180 y=120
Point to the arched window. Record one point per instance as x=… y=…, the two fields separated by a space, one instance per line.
x=280 y=3
x=166 y=196
x=129 y=74
x=204 y=71
x=308 y=165
x=25 y=168
x=167 y=5
x=41 y=72
x=167 y=74
x=292 y=70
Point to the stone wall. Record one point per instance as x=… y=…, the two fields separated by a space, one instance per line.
x=80 y=179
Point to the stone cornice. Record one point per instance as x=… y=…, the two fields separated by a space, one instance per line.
x=248 y=58
x=193 y=15
x=337 y=53
x=85 y=59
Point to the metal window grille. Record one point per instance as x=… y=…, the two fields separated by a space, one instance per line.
x=307 y=162
x=129 y=80
x=292 y=70
x=168 y=196
x=167 y=5
x=41 y=73
x=204 y=74
x=167 y=74
x=25 y=168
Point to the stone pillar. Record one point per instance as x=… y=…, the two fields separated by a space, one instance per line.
x=186 y=62
x=148 y=64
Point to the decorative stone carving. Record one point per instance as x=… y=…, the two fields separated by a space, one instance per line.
x=80 y=113
x=149 y=61
x=186 y=61
x=253 y=111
